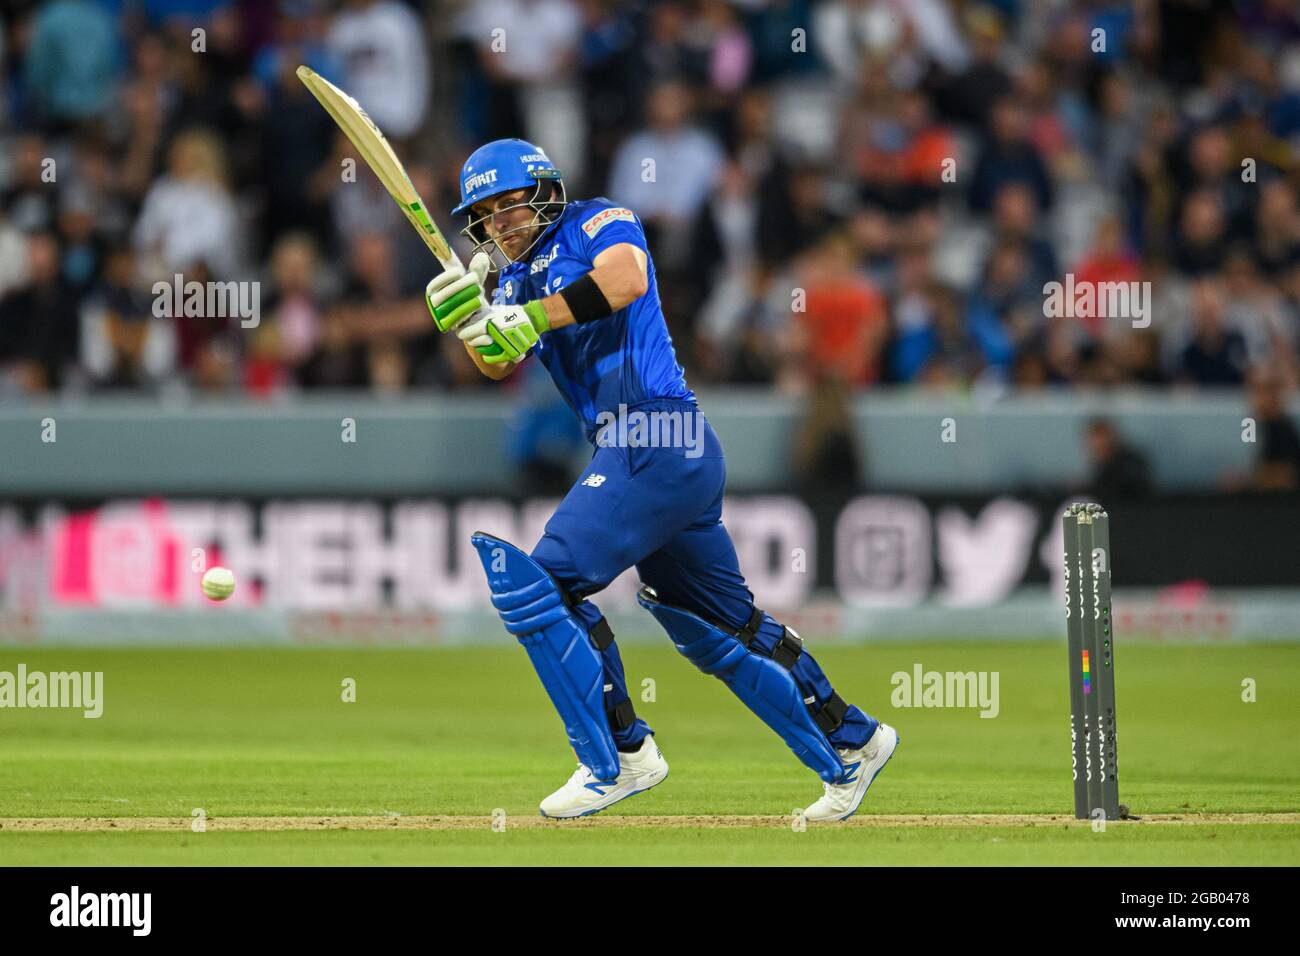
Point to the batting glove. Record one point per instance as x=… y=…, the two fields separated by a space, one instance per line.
x=455 y=295
x=505 y=333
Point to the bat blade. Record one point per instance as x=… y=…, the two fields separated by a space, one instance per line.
x=379 y=156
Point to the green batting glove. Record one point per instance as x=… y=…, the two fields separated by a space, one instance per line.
x=505 y=333
x=454 y=296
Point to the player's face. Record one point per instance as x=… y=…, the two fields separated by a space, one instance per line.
x=511 y=218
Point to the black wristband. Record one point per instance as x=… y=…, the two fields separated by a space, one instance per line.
x=585 y=300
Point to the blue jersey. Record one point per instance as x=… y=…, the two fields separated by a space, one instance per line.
x=623 y=359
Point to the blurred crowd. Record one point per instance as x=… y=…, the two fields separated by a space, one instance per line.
x=861 y=192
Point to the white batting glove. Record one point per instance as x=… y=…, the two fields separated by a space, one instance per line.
x=455 y=295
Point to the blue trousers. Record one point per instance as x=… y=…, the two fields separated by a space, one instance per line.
x=660 y=510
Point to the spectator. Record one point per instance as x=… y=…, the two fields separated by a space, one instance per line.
x=1276 y=242
x=13 y=257
x=1008 y=157
x=1147 y=185
x=826 y=455
x=841 y=331
x=1119 y=472
x=338 y=361
x=39 y=326
x=72 y=61
x=730 y=53
x=28 y=200
x=1106 y=261
x=968 y=95
x=898 y=150
x=1199 y=246
x=207 y=349
x=903 y=42
x=528 y=52
x=1017 y=219
x=358 y=206
x=1216 y=355
x=125 y=347
x=793 y=212
x=1211 y=167
x=393 y=327
x=723 y=235
x=149 y=104
x=1278 y=465
x=772 y=26
x=297 y=144
x=83 y=247
x=917 y=341
x=294 y=306
x=379 y=45
x=1005 y=309
x=1255 y=308
x=189 y=214
x=1057 y=123
x=609 y=75
x=665 y=172
x=1120 y=128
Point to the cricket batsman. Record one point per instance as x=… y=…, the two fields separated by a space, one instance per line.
x=577 y=287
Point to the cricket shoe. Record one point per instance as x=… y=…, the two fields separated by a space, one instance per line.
x=842 y=799
x=584 y=794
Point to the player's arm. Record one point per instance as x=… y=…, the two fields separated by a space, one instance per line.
x=620 y=274
x=505 y=333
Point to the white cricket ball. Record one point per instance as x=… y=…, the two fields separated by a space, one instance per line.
x=218 y=583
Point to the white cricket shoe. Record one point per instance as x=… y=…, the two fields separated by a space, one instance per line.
x=841 y=800
x=584 y=794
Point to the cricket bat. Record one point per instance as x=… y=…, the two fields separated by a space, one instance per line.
x=379 y=156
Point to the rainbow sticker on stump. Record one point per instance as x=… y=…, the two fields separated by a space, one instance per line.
x=1087 y=674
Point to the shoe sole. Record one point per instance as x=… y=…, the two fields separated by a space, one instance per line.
x=897 y=740
x=589 y=813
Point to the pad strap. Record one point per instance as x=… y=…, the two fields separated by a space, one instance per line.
x=786 y=653
x=602 y=635
x=622 y=716
x=766 y=687
x=831 y=714
x=787 y=649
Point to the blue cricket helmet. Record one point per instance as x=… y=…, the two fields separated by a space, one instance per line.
x=501 y=166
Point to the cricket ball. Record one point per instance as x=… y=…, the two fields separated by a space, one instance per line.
x=218 y=583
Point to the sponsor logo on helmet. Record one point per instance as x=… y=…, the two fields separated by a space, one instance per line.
x=478 y=180
x=534 y=158
x=605 y=217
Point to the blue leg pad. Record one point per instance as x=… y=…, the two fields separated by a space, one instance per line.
x=765 y=687
x=533 y=609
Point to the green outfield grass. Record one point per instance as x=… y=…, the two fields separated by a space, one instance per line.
x=251 y=732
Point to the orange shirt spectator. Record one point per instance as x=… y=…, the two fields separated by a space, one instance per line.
x=1107 y=261
x=844 y=318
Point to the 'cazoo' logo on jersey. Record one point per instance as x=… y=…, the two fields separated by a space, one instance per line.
x=604 y=218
